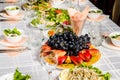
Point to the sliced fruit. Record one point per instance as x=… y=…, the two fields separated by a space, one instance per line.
x=94 y=52
x=79 y=60
x=68 y=60
x=51 y=32
x=87 y=56
x=46 y=47
x=74 y=59
x=59 y=52
x=81 y=55
x=61 y=59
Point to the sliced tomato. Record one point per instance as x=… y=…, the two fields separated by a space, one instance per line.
x=58 y=11
x=61 y=59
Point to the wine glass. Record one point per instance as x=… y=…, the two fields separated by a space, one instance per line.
x=49 y=66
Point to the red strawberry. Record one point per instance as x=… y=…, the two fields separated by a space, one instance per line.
x=81 y=55
x=79 y=60
x=74 y=59
x=61 y=59
x=87 y=56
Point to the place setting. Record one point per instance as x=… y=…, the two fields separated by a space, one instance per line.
x=11 y=13
x=112 y=41
x=13 y=40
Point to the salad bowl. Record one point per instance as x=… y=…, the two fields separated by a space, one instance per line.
x=12 y=10
x=13 y=35
x=115 y=38
x=94 y=13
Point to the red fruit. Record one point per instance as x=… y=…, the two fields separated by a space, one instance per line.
x=74 y=59
x=81 y=55
x=61 y=59
x=87 y=56
x=46 y=47
x=79 y=60
x=58 y=11
x=66 y=22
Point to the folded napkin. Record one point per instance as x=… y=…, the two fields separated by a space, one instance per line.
x=12 y=1
x=100 y=18
x=77 y=19
x=14 y=17
x=6 y=43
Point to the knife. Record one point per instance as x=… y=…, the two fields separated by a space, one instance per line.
x=14 y=50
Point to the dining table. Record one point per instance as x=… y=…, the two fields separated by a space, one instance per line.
x=27 y=61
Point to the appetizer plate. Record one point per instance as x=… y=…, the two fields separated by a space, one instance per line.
x=14 y=17
x=83 y=73
x=108 y=44
x=8 y=76
x=4 y=42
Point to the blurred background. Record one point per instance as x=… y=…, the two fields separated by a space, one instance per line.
x=109 y=7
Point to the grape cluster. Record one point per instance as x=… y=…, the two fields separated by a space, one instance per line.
x=69 y=41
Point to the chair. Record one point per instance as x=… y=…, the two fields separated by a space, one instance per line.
x=116 y=12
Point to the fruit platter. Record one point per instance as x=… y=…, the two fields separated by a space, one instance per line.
x=71 y=50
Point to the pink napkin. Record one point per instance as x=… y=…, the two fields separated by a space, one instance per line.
x=11 y=1
x=77 y=19
x=15 y=17
x=100 y=18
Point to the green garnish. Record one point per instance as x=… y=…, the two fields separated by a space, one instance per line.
x=19 y=76
x=14 y=8
x=7 y=32
x=95 y=11
x=115 y=36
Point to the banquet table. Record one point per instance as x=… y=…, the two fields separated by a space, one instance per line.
x=27 y=61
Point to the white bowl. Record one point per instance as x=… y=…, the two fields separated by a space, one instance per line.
x=12 y=10
x=115 y=41
x=14 y=37
x=93 y=13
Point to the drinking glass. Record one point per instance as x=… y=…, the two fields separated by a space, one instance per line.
x=47 y=66
x=94 y=30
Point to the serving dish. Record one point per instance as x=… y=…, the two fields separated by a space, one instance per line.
x=12 y=10
x=94 y=13
x=71 y=55
x=83 y=73
x=115 y=38
x=13 y=35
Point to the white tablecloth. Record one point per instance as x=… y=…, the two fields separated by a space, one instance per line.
x=27 y=61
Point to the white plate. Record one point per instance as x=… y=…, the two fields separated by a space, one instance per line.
x=108 y=44
x=16 y=17
x=39 y=26
x=8 y=76
x=4 y=42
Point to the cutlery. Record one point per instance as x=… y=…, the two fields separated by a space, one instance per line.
x=14 y=50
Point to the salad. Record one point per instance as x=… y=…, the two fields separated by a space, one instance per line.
x=13 y=31
x=83 y=72
x=17 y=75
x=13 y=8
x=51 y=17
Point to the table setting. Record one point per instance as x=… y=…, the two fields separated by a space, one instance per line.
x=57 y=40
